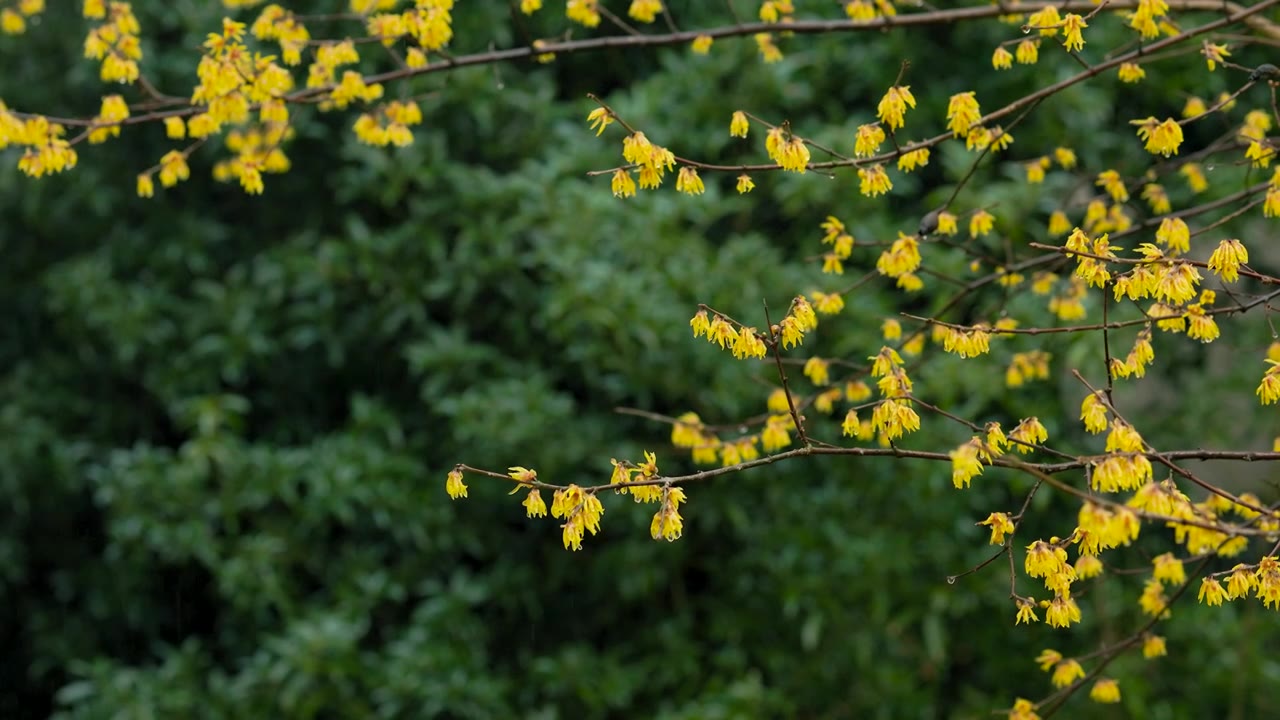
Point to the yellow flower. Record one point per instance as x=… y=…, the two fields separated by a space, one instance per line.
x=1131 y=72
x=529 y=7
x=644 y=10
x=1174 y=234
x=816 y=369
x=1153 y=646
x=947 y=224
x=1094 y=413
x=850 y=426
x=1153 y=602
x=893 y=106
x=901 y=258
x=868 y=141
x=1001 y=59
x=11 y=23
x=802 y=312
x=1105 y=690
x=1227 y=259
x=1035 y=170
x=894 y=418
x=1271 y=206
x=748 y=344
x=962 y=113
x=523 y=475
x=1045 y=560
x=1026 y=612
x=1059 y=224
x=1023 y=709
x=1195 y=177
x=965 y=464
x=1046 y=21
x=688 y=182
x=832 y=228
x=1028 y=52
x=860 y=10
x=874 y=181
x=745 y=184
x=1259 y=156
x=769 y=51
x=1028 y=432
x=1168 y=569
x=1157 y=198
x=909 y=161
x=827 y=303
x=623 y=185
x=1000 y=525
x=667 y=523
x=787 y=150
x=1256 y=125
x=856 y=391
x=701 y=44
x=1269 y=389
x=1111 y=181
x=583 y=12
x=1194 y=107
x=981 y=223
x=1162 y=138
x=534 y=505
x=1211 y=592
x=738 y=125
x=1073 y=25
x=599 y=119
x=1061 y=612
x=1066 y=672
x=173 y=168
x=146 y=188
x=966 y=344
x=701 y=324
x=454 y=485
x=250 y=180
x=1240 y=582
x=1144 y=19
x=774 y=437
x=1048 y=659
x=1214 y=54
x=1088 y=566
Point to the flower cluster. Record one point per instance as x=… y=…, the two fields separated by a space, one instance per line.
x=282 y=27
x=744 y=342
x=114 y=41
x=893 y=417
x=1048 y=560
x=389 y=125
x=966 y=343
x=786 y=149
x=13 y=20
x=1027 y=367
x=46 y=149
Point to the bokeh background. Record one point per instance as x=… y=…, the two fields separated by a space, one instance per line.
x=225 y=421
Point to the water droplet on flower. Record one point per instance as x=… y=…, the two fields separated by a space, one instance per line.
x=1210 y=167
x=1026 y=29
x=951 y=579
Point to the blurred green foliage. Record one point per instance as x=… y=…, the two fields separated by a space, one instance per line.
x=225 y=421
